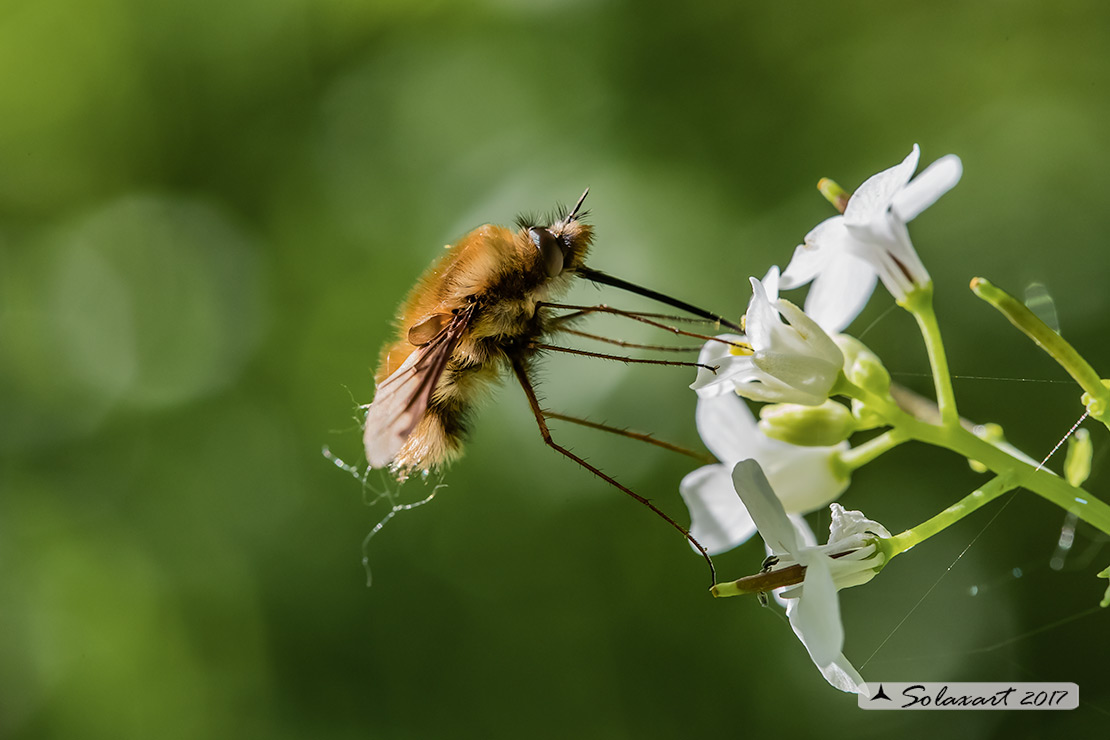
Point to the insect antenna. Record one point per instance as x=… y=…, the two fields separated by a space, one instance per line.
x=621 y=358
x=597 y=276
x=541 y=421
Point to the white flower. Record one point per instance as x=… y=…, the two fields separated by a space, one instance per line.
x=805 y=478
x=792 y=362
x=843 y=254
x=850 y=558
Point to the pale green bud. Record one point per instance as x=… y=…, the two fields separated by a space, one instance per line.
x=866 y=418
x=833 y=193
x=1077 y=465
x=989 y=432
x=862 y=366
x=807 y=426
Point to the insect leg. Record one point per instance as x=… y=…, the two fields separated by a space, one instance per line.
x=580 y=311
x=583 y=310
x=620 y=343
x=641 y=436
x=537 y=411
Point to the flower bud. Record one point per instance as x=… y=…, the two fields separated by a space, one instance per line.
x=862 y=366
x=1077 y=465
x=807 y=426
x=866 y=417
x=833 y=193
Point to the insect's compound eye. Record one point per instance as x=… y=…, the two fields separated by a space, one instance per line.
x=551 y=252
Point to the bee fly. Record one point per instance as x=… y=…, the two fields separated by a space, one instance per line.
x=478 y=310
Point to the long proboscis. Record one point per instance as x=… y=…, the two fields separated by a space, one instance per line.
x=597 y=276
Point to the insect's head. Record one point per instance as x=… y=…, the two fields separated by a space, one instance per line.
x=562 y=244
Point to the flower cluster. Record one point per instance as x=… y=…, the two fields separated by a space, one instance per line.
x=767 y=484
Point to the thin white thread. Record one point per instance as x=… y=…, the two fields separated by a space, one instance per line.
x=1065 y=438
x=875 y=323
x=1050 y=381
x=396 y=508
x=363 y=477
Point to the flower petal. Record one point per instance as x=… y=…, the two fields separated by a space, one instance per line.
x=764 y=507
x=708 y=383
x=761 y=319
x=771 y=282
x=718 y=519
x=727 y=427
x=846 y=523
x=936 y=180
x=874 y=196
x=804 y=477
x=757 y=385
x=817 y=343
x=791 y=378
x=842 y=675
x=841 y=292
x=816 y=618
x=807 y=538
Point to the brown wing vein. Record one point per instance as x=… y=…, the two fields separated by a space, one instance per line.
x=402 y=399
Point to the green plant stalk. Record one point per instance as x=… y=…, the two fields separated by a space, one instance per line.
x=1056 y=346
x=919 y=302
x=983 y=495
x=862 y=454
x=1012 y=471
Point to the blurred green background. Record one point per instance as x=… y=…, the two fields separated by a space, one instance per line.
x=209 y=212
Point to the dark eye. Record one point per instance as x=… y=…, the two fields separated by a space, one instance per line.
x=551 y=252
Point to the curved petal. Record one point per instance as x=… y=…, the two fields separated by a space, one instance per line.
x=925 y=189
x=885 y=243
x=807 y=378
x=818 y=344
x=727 y=427
x=764 y=507
x=718 y=519
x=765 y=388
x=771 y=282
x=874 y=196
x=846 y=523
x=807 y=263
x=816 y=616
x=708 y=383
x=830 y=233
x=806 y=480
x=761 y=319
x=836 y=298
x=842 y=675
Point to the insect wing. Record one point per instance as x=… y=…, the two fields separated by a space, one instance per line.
x=401 y=399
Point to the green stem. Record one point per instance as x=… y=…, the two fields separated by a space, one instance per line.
x=899 y=543
x=862 y=454
x=920 y=303
x=1056 y=346
x=1014 y=471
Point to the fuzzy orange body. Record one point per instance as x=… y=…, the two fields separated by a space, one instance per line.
x=472 y=310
